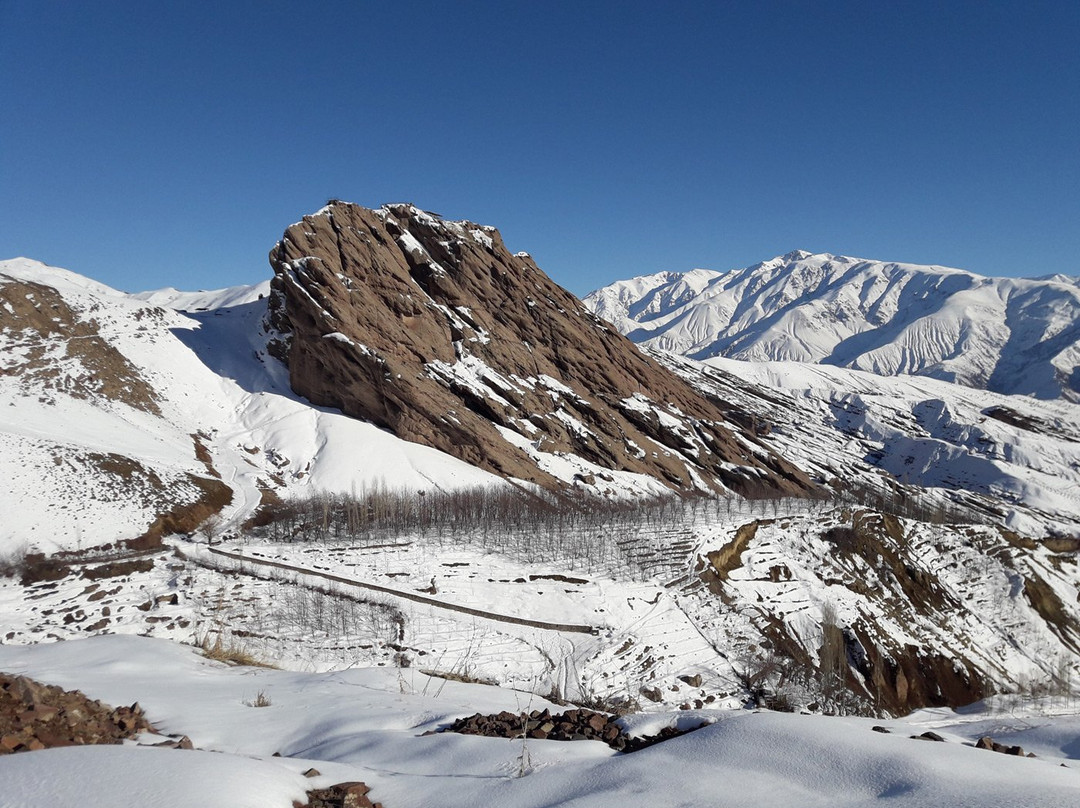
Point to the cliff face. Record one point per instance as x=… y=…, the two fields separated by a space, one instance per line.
x=432 y=330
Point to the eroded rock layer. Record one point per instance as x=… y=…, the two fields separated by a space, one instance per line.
x=435 y=331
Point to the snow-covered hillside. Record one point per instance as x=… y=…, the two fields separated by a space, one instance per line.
x=1011 y=460
x=114 y=411
x=1009 y=335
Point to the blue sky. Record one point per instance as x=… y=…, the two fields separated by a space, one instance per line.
x=148 y=144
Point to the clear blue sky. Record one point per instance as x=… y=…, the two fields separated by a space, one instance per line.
x=149 y=144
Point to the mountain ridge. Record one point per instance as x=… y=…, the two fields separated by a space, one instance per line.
x=433 y=330
x=1009 y=335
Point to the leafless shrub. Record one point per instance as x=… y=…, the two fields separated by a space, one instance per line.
x=764 y=674
x=311 y=611
x=260 y=700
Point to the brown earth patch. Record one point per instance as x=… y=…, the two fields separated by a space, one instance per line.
x=729 y=557
x=39 y=321
x=213 y=496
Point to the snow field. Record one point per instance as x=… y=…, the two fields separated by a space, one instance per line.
x=357 y=724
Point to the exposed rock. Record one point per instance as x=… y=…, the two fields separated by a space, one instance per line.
x=929 y=736
x=652 y=694
x=433 y=330
x=175 y=742
x=38 y=716
x=986 y=742
x=573 y=725
x=342 y=795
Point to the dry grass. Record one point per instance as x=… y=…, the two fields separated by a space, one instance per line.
x=230 y=653
x=260 y=700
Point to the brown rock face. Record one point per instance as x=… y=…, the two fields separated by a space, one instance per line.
x=433 y=330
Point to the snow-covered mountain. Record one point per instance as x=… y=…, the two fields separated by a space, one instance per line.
x=124 y=418
x=434 y=331
x=1014 y=459
x=1009 y=335
x=120 y=418
x=913 y=541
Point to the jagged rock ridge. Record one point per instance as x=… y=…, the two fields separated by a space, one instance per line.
x=435 y=331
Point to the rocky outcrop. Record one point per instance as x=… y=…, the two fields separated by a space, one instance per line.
x=573 y=725
x=37 y=716
x=435 y=331
x=343 y=795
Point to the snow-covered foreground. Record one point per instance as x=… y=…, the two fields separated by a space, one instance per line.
x=367 y=724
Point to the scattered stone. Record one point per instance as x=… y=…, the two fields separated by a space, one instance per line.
x=693 y=681
x=313 y=772
x=886 y=730
x=175 y=742
x=986 y=742
x=573 y=725
x=929 y=736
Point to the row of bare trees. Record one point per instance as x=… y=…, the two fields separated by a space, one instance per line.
x=636 y=538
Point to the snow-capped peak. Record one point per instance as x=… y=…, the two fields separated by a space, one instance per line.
x=1010 y=335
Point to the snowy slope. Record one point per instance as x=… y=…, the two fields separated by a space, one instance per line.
x=1009 y=335
x=213 y=406
x=363 y=725
x=1015 y=459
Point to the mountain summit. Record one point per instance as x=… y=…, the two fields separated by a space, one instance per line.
x=1008 y=335
x=433 y=330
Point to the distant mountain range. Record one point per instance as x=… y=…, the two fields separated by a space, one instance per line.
x=1008 y=335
